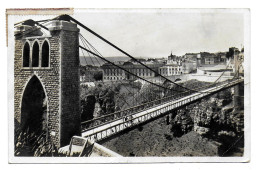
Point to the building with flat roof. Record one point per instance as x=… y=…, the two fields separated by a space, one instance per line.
x=113 y=73
x=170 y=69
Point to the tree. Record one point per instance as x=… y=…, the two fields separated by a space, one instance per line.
x=88 y=107
x=82 y=70
x=98 y=76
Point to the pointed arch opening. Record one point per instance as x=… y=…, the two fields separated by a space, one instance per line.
x=34 y=108
x=26 y=55
x=45 y=54
x=35 y=55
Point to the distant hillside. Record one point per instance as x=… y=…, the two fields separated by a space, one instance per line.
x=97 y=61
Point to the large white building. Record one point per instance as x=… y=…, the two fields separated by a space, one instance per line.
x=113 y=73
x=171 y=68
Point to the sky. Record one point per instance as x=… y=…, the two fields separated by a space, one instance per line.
x=155 y=33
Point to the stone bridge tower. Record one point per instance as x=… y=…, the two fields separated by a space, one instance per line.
x=46 y=80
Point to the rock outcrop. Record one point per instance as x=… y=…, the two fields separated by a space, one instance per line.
x=211 y=115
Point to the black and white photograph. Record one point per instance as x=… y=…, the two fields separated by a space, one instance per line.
x=138 y=85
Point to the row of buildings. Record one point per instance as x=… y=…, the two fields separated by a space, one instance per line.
x=173 y=65
x=166 y=67
x=111 y=72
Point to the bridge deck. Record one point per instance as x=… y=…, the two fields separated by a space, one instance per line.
x=111 y=128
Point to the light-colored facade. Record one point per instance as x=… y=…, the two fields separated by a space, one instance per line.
x=173 y=66
x=113 y=73
x=170 y=70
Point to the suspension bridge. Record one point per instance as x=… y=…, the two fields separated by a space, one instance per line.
x=152 y=100
x=119 y=121
x=139 y=112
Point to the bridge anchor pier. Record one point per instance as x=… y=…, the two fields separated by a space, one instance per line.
x=238 y=96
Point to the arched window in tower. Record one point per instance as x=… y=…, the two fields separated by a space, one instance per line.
x=45 y=54
x=26 y=55
x=35 y=55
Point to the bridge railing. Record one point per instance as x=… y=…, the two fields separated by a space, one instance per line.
x=130 y=121
x=96 y=122
x=93 y=123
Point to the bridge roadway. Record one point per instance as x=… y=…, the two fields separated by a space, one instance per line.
x=111 y=128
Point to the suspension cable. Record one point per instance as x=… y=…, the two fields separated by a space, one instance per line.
x=100 y=56
x=99 y=62
x=67 y=17
x=134 y=98
x=96 y=51
x=126 y=70
x=93 y=64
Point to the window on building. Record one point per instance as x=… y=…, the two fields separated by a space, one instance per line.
x=45 y=54
x=26 y=55
x=35 y=55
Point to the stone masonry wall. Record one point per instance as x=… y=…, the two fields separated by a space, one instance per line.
x=70 y=100
x=60 y=80
x=49 y=77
